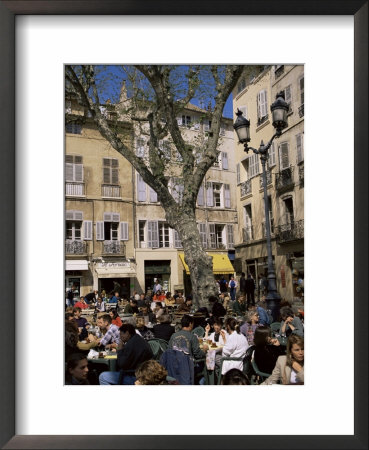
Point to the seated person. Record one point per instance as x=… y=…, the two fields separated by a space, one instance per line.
x=185 y=341
x=81 y=322
x=183 y=307
x=69 y=316
x=148 y=314
x=81 y=303
x=91 y=297
x=235 y=346
x=111 y=338
x=115 y=319
x=216 y=335
x=159 y=297
x=112 y=298
x=264 y=318
x=290 y=324
x=130 y=356
x=236 y=377
x=163 y=330
x=169 y=300
x=142 y=329
x=159 y=310
x=217 y=309
x=72 y=342
x=77 y=369
x=151 y=373
x=141 y=301
x=131 y=307
x=180 y=299
x=251 y=324
x=239 y=305
x=267 y=350
x=100 y=305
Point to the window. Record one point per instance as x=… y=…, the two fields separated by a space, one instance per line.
x=200 y=196
x=141 y=189
x=140 y=148
x=73 y=128
x=300 y=148
x=141 y=231
x=207 y=125
x=288 y=211
x=302 y=85
x=262 y=103
x=247 y=233
x=288 y=96
x=163 y=235
x=212 y=236
x=219 y=235
x=111 y=229
x=157 y=234
x=73 y=168
x=218 y=195
x=177 y=240
x=252 y=168
x=110 y=171
x=283 y=156
x=217 y=187
x=227 y=196
x=271 y=156
x=241 y=85
x=271 y=220
x=73 y=230
x=216 y=163
x=202 y=231
x=186 y=121
x=230 y=239
x=224 y=160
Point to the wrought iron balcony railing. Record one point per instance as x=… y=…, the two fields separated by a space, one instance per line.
x=75 y=247
x=110 y=190
x=76 y=189
x=269 y=179
x=301 y=175
x=301 y=110
x=245 y=188
x=247 y=234
x=284 y=180
x=113 y=248
x=271 y=227
x=290 y=231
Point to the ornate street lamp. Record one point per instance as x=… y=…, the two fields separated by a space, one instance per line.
x=242 y=127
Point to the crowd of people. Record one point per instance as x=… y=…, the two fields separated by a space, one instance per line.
x=239 y=326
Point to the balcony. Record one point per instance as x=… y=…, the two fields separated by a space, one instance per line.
x=110 y=190
x=278 y=72
x=290 y=231
x=113 y=248
x=301 y=111
x=284 y=180
x=247 y=234
x=75 y=247
x=245 y=188
x=269 y=179
x=301 y=175
x=74 y=189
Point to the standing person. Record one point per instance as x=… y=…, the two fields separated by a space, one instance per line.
x=243 y=284
x=157 y=287
x=250 y=290
x=232 y=288
x=70 y=296
x=223 y=285
x=263 y=284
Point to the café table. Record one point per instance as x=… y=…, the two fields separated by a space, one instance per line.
x=110 y=360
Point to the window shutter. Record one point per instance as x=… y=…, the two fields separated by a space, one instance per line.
x=177 y=240
x=77 y=159
x=106 y=162
x=230 y=240
x=213 y=242
x=108 y=217
x=202 y=230
x=114 y=162
x=209 y=194
x=227 y=196
x=99 y=231
x=87 y=230
x=262 y=104
x=287 y=94
x=225 y=160
x=69 y=159
x=141 y=189
x=299 y=147
x=238 y=174
x=106 y=175
x=123 y=231
x=78 y=215
x=69 y=172
x=200 y=196
x=153 y=195
x=69 y=215
x=78 y=172
x=283 y=156
x=115 y=217
x=153 y=234
x=114 y=176
x=271 y=156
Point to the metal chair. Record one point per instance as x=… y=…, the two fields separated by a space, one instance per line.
x=158 y=347
x=259 y=376
x=275 y=327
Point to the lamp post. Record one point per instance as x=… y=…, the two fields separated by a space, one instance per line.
x=279 y=111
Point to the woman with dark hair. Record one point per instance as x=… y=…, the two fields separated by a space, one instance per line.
x=267 y=350
x=290 y=324
x=163 y=330
x=235 y=377
x=115 y=319
x=72 y=343
x=77 y=369
x=216 y=336
x=235 y=345
x=289 y=369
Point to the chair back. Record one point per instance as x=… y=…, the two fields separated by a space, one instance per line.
x=259 y=376
x=158 y=347
x=275 y=327
x=199 y=331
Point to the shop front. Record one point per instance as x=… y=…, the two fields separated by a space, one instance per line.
x=158 y=270
x=115 y=277
x=78 y=276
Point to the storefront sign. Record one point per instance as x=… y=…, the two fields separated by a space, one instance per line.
x=111 y=265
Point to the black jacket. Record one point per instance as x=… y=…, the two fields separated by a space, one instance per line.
x=135 y=351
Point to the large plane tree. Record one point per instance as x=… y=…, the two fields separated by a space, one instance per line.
x=156 y=96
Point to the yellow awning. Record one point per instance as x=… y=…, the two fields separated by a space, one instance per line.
x=221 y=264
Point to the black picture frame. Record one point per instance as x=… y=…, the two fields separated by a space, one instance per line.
x=9 y=285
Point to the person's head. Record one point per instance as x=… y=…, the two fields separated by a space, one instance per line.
x=69 y=316
x=236 y=377
x=133 y=302
x=158 y=292
x=99 y=299
x=142 y=296
x=150 y=372
x=164 y=318
x=127 y=330
x=187 y=322
x=105 y=321
x=158 y=306
x=231 y=325
x=140 y=322
x=241 y=299
x=217 y=325
x=113 y=313
x=253 y=316
x=295 y=349
x=189 y=301
x=212 y=299
x=71 y=333
x=77 y=311
x=168 y=295
x=82 y=299
x=145 y=310
x=116 y=294
x=286 y=312
x=262 y=336
x=77 y=366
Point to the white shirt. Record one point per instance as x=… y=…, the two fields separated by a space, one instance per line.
x=221 y=342
x=236 y=346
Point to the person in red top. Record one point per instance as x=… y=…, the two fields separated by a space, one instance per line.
x=159 y=297
x=115 y=319
x=81 y=304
